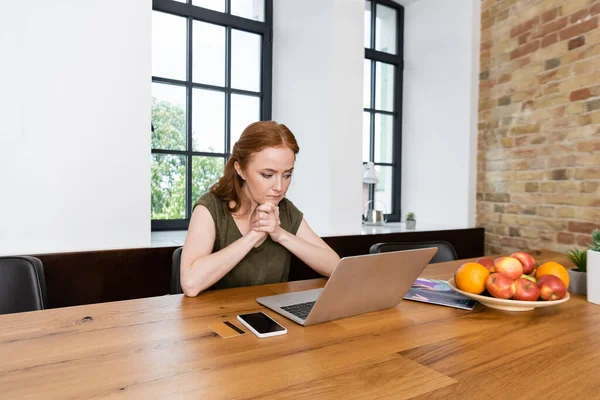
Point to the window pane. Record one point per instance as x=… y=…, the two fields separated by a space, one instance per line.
x=384 y=138
x=385 y=29
x=208 y=120
x=245 y=60
x=208 y=56
x=168 y=117
x=217 y=5
x=244 y=111
x=205 y=172
x=368 y=25
x=252 y=9
x=168 y=186
x=168 y=46
x=383 y=190
x=367 y=84
x=384 y=86
x=366 y=136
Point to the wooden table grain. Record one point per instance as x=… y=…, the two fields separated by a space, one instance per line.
x=161 y=347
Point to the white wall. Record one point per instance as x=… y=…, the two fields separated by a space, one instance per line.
x=74 y=129
x=440 y=111
x=75 y=104
x=317 y=92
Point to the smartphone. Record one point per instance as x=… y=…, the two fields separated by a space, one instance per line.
x=261 y=324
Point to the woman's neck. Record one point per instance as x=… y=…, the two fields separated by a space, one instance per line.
x=247 y=206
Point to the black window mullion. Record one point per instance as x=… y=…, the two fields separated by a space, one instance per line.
x=373 y=90
x=169 y=81
x=267 y=65
x=397 y=149
x=189 y=148
x=210 y=16
x=205 y=86
x=371 y=150
x=185 y=153
x=383 y=56
x=228 y=46
x=384 y=112
x=372 y=115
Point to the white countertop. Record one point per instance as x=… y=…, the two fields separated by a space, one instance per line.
x=176 y=238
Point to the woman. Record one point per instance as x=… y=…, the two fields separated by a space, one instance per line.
x=242 y=232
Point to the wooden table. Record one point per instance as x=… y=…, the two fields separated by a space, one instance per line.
x=161 y=347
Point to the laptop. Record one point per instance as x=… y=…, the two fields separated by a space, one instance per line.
x=358 y=285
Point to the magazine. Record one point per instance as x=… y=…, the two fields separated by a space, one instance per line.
x=436 y=291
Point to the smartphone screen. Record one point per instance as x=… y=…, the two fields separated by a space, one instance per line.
x=261 y=323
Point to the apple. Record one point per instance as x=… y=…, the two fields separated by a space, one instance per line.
x=526 y=290
x=531 y=278
x=526 y=260
x=509 y=267
x=500 y=286
x=551 y=287
x=486 y=262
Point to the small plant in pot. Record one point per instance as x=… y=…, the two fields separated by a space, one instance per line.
x=411 y=222
x=593 y=268
x=578 y=275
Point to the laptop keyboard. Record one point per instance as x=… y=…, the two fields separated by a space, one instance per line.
x=300 y=310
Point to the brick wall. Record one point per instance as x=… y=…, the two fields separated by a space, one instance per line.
x=538 y=157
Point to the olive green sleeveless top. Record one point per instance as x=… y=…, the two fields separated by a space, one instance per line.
x=267 y=263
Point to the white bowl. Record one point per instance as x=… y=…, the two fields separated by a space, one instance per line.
x=508 y=305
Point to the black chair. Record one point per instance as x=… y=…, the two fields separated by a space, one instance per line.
x=175 y=270
x=445 y=250
x=22 y=284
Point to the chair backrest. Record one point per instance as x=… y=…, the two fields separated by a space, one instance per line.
x=22 y=284
x=445 y=250
x=175 y=271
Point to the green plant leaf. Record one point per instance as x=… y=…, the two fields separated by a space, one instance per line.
x=595 y=245
x=579 y=258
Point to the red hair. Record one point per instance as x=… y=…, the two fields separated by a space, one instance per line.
x=255 y=138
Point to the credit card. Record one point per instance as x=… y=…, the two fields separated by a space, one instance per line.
x=226 y=329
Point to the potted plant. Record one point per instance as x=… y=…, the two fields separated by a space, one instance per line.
x=411 y=222
x=578 y=276
x=593 y=268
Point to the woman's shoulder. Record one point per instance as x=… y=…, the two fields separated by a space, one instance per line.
x=287 y=204
x=289 y=209
x=210 y=201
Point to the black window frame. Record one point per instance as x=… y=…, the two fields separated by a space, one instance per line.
x=229 y=21
x=398 y=61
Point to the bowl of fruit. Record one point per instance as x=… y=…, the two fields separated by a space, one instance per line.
x=512 y=283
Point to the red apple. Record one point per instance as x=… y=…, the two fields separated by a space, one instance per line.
x=526 y=290
x=551 y=287
x=509 y=267
x=486 y=262
x=500 y=286
x=526 y=260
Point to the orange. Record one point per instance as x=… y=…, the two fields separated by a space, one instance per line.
x=553 y=268
x=470 y=277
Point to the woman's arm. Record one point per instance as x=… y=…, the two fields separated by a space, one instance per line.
x=305 y=245
x=311 y=249
x=199 y=268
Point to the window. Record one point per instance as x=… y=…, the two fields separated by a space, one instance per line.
x=382 y=132
x=211 y=77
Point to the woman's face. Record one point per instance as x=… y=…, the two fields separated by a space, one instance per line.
x=268 y=175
